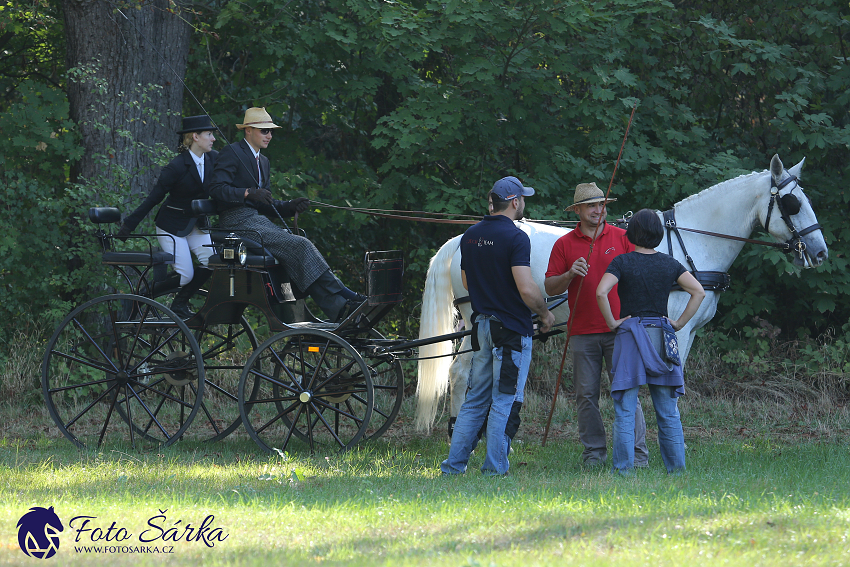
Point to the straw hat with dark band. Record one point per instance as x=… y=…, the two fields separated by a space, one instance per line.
x=257 y=118
x=587 y=193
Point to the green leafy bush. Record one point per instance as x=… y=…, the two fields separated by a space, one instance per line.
x=44 y=251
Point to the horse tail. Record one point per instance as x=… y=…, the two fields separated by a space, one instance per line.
x=438 y=318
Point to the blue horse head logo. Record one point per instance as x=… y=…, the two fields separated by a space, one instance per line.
x=38 y=532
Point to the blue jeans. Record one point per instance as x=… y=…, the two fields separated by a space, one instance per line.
x=588 y=352
x=485 y=401
x=671 y=438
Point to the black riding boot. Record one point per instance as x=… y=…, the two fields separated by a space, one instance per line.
x=325 y=291
x=180 y=305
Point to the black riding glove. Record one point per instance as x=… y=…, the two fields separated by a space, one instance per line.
x=300 y=204
x=259 y=196
x=123 y=232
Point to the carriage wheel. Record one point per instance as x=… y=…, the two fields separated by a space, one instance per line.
x=225 y=348
x=388 y=383
x=122 y=365
x=307 y=384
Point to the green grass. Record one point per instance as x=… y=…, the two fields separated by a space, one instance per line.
x=754 y=494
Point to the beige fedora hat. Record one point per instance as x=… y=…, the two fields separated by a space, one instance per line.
x=587 y=193
x=257 y=118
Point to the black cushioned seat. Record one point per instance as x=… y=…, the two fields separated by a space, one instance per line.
x=253 y=261
x=138 y=258
x=104 y=215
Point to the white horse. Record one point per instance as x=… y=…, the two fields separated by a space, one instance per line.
x=734 y=207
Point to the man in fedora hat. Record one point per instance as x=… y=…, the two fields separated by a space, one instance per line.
x=591 y=340
x=186 y=177
x=496 y=270
x=242 y=192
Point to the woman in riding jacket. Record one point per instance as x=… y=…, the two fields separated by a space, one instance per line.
x=185 y=178
x=645 y=347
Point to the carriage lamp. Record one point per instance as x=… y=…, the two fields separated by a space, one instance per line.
x=234 y=250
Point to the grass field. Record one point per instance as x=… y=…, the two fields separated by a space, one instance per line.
x=767 y=484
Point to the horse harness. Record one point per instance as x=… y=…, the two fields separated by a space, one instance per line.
x=711 y=281
x=788 y=205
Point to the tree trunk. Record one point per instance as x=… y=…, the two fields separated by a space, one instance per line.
x=122 y=121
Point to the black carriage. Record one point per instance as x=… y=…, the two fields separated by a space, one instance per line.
x=124 y=364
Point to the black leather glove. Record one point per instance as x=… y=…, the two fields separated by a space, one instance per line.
x=123 y=233
x=300 y=204
x=259 y=196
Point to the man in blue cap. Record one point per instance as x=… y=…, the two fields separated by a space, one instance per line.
x=496 y=270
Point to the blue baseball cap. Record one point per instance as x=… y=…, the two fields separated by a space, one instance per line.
x=509 y=188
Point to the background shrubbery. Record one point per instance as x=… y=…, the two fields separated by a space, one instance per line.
x=420 y=105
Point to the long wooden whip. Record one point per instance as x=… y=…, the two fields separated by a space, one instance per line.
x=581 y=283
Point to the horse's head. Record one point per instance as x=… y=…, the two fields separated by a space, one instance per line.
x=787 y=215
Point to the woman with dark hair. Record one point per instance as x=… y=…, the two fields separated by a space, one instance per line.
x=184 y=179
x=645 y=350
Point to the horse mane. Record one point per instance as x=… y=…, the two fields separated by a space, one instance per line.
x=705 y=193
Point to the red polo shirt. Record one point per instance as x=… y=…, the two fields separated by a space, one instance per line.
x=569 y=248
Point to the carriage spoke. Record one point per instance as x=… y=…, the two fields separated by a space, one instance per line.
x=335 y=375
x=327 y=425
x=74 y=386
x=350 y=415
x=291 y=428
x=281 y=414
x=322 y=353
x=311 y=373
x=84 y=361
x=106 y=421
x=130 y=422
x=92 y=342
x=222 y=391
x=147 y=409
x=274 y=381
x=156 y=412
x=88 y=407
x=142 y=318
x=120 y=354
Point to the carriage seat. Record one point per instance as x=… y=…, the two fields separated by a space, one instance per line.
x=111 y=215
x=204 y=207
x=258 y=256
x=274 y=273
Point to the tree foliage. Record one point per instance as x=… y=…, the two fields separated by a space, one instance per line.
x=421 y=105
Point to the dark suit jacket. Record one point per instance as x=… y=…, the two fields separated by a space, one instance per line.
x=233 y=176
x=182 y=183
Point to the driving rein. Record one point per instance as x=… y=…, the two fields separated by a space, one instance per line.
x=788 y=205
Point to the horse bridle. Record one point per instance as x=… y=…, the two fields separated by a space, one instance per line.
x=788 y=206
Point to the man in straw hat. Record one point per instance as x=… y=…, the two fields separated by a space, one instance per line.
x=591 y=340
x=496 y=270
x=242 y=191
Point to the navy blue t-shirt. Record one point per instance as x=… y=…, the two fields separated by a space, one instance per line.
x=488 y=252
